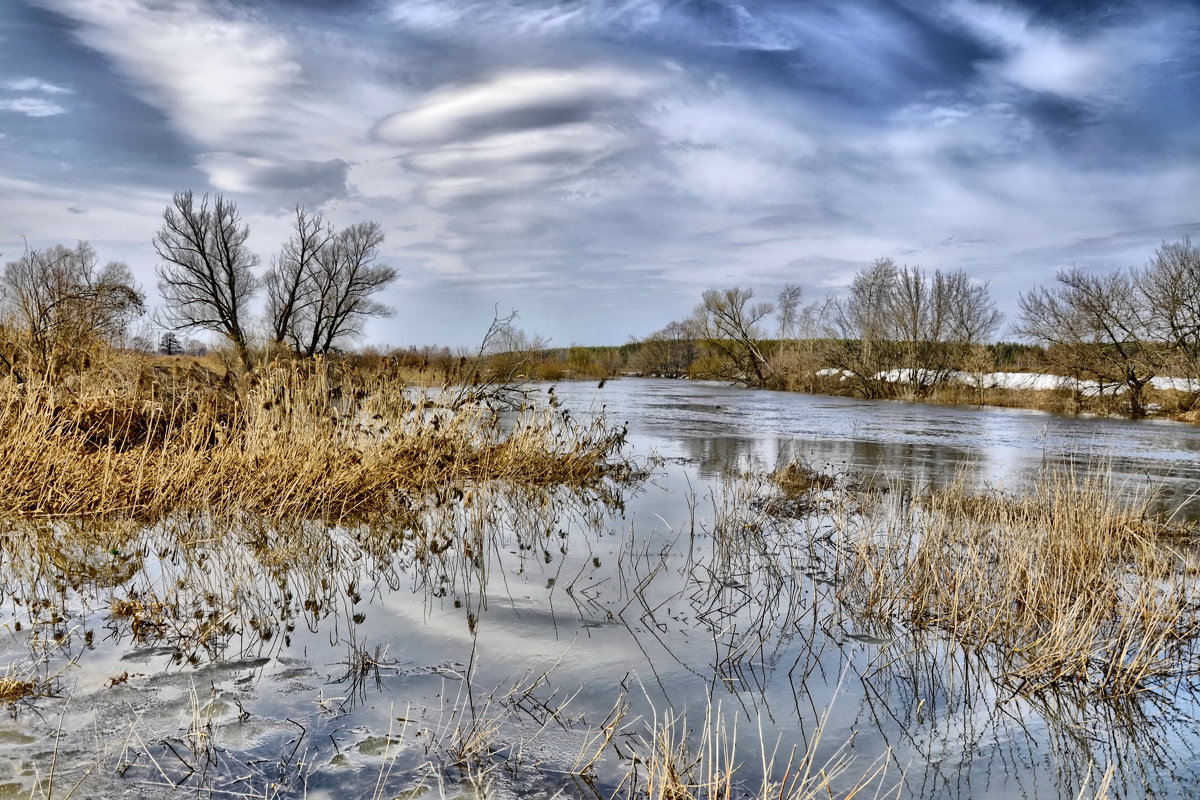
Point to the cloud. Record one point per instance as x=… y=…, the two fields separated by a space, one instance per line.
x=511 y=101
x=311 y=183
x=516 y=131
x=1036 y=56
x=525 y=17
x=32 y=107
x=643 y=149
x=216 y=76
x=34 y=85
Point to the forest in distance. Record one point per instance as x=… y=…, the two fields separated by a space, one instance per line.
x=1121 y=342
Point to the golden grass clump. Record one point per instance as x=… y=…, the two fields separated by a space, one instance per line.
x=289 y=440
x=710 y=768
x=796 y=478
x=13 y=690
x=1064 y=583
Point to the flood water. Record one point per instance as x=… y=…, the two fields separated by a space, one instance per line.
x=921 y=444
x=346 y=663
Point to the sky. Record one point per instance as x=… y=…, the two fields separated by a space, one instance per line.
x=597 y=164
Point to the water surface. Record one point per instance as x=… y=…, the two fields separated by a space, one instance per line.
x=335 y=663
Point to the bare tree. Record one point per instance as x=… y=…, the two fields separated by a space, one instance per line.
x=1095 y=324
x=666 y=353
x=289 y=281
x=797 y=361
x=973 y=318
x=1169 y=289
x=788 y=310
x=925 y=325
x=859 y=325
x=207 y=276
x=936 y=319
x=59 y=304
x=336 y=297
x=727 y=325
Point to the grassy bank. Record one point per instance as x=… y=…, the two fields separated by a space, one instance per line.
x=293 y=439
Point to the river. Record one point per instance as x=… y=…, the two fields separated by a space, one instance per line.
x=570 y=605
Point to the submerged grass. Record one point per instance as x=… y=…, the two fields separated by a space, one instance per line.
x=1063 y=583
x=678 y=764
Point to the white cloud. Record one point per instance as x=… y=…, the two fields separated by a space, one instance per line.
x=575 y=143
x=515 y=100
x=32 y=107
x=516 y=131
x=522 y=17
x=729 y=149
x=294 y=181
x=1043 y=59
x=216 y=77
x=34 y=85
x=984 y=132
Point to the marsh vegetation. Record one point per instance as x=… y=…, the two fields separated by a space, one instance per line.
x=285 y=572
x=532 y=600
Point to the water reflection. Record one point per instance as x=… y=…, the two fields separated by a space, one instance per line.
x=486 y=632
x=915 y=443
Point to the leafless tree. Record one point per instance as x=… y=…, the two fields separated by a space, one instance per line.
x=728 y=326
x=973 y=316
x=936 y=320
x=666 y=353
x=336 y=297
x=797 y=361
x=289 y=281
x=1169 y=289
x=788 y=310
x=1095 y=325
x=859 y=327
x=207 y=276
x=902 y=318
x=59 y=303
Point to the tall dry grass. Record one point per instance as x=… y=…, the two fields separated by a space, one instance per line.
x=289 y=440
x=1064 y=583
x=709 y=764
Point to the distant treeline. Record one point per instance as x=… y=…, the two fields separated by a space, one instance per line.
x=902 y=332
x=896 y=332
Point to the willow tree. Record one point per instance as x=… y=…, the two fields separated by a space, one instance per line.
x=726 y=323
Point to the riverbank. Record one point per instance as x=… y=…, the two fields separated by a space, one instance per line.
x=309 y=440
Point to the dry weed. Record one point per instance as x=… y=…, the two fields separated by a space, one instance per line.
x=1064 y=583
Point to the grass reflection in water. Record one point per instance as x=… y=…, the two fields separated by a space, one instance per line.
x=789 y=635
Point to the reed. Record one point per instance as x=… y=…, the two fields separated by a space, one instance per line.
x=288 y=441
x=708 y=765
x=1063 y=583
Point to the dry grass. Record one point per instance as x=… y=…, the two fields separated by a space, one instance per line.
x=797 y=478
x=290 y=440
x=710 y=767
x=1064 y=583
x=14 y=689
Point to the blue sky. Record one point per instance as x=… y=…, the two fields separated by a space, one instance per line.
x=596 y=165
